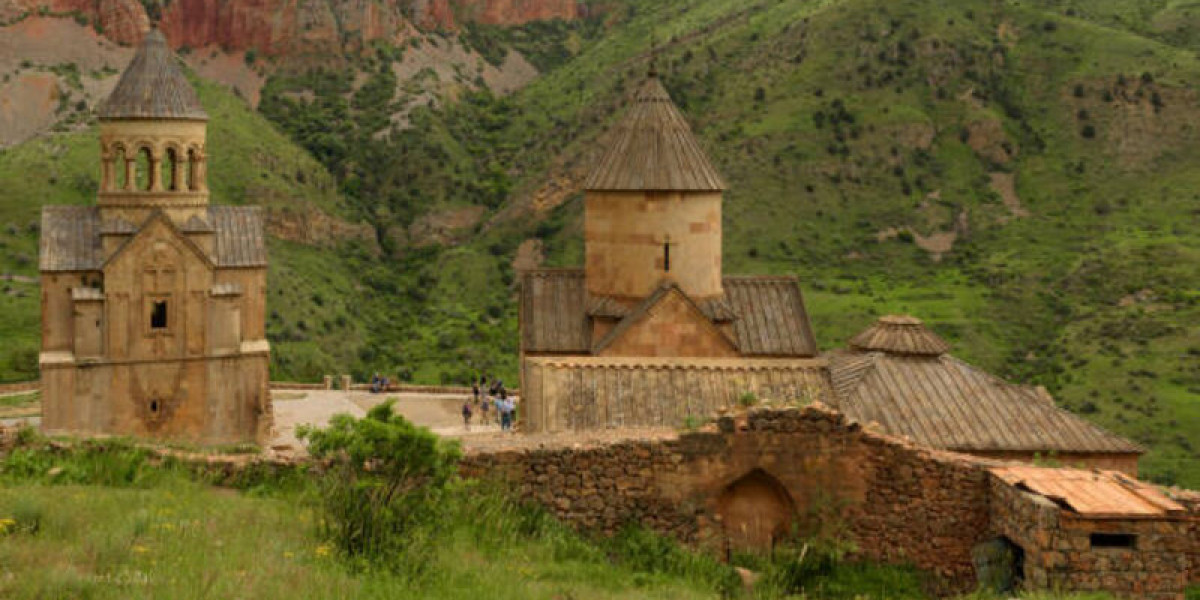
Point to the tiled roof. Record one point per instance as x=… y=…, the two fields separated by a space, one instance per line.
x=900 y=334
x=70 y=237
x=587 y=393
x=1094 y=494
x=768 y=314
x=644 y=308
x=153 y=86
x=943 y=402
x=653 y=149
x=241 y=240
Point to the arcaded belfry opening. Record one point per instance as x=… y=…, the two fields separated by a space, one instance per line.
x=756 y=512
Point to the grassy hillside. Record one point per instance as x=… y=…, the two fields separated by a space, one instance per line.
x=1018 y=174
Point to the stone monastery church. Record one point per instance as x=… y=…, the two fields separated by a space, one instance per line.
x=153 y=300
x=652 y=332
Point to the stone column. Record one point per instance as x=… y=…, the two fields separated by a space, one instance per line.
x=176 y=174
x=155 y=174
x=106 y=172
x=130 y=174
x=346 y=383
x=328 y=382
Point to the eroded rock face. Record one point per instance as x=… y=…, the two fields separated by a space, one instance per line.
x=292 y=27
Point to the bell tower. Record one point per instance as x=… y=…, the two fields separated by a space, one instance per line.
x=152 y=135
x=653 y=207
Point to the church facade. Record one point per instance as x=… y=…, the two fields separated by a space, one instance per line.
x=651 y=331
x=153 y=300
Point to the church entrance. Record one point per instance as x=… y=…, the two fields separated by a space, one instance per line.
x=756 y=511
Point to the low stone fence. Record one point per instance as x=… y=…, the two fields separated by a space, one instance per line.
x=20 y=386
x=750 y=479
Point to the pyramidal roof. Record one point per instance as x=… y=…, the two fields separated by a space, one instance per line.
x=900 y=334
x=654 y=149
x=153 y=86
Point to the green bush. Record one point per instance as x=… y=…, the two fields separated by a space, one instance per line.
x=380 y=500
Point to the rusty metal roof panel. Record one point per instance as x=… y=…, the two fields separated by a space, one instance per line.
x=70 y=239
x=240 y=240
x=946 y=403
x=153 y=86
x=653 y=149
x=1096 y=494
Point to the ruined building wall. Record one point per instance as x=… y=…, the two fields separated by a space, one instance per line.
x=1059 y=552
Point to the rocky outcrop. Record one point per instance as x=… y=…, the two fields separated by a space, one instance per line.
x=287 y=28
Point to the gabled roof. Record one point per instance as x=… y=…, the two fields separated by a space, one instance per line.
x=153 y=86
x=158 y=216
x=70 y=237
x=943 y=402
x=767 y=313
x=653 y=149
x=900 y=334
x=646 y=307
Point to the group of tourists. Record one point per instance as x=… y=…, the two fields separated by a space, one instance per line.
x=491 y=400
x=379 y=383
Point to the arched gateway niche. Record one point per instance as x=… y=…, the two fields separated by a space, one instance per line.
x=756 y=511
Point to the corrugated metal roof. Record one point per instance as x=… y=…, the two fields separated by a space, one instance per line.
x=768 y=314
x=595 y=392
x=943 y=402
x=653 y=149
x=1095 y=494
x=70 y=237
x=153 y=86
x=900 y=334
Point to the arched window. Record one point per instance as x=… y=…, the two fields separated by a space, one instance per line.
x=170 y=170
x=143 y=174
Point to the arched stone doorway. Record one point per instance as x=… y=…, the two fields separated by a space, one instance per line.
x=756 y=511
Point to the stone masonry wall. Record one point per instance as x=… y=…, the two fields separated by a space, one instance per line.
x=895 y=501
x=1059 y=553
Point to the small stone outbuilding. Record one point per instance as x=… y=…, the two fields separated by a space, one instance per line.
x=153 y=300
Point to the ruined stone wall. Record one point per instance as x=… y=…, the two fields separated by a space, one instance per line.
x=894 y=501
x=1191 y=500
x=1059 y=552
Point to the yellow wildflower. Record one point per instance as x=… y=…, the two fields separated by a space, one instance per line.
x=289 y=554
x=140 y=549
x=7 y=524
x=324 y=550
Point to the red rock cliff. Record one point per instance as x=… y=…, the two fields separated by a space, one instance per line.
x=294 y=27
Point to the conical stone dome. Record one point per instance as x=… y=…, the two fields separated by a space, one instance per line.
x=900 y=334
x=153 y=86
x=654 y=150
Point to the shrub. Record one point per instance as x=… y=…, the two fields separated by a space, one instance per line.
x=748 y=399
x=380 y=497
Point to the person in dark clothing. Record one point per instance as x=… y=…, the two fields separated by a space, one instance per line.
x=466 y=415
